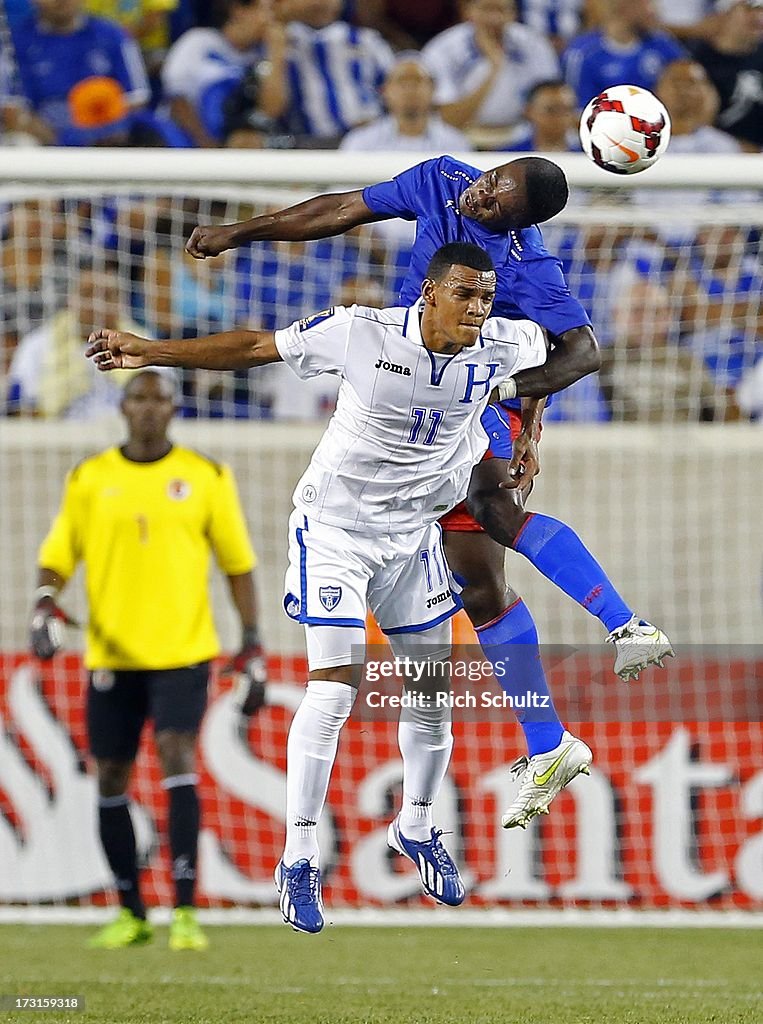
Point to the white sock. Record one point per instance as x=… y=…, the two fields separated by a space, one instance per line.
x=311 y=750
x=426 y=741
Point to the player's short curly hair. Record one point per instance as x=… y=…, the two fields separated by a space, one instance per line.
x=461 y=254
x=546 y=187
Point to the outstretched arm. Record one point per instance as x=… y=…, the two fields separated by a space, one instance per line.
x=231 y=350
x=573 y=355
x=320 y=217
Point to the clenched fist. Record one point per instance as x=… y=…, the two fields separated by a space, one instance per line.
x=209 y=241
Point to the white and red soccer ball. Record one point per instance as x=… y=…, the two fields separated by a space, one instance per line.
x=625 y=129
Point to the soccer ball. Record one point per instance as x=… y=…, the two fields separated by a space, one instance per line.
x=625 y=129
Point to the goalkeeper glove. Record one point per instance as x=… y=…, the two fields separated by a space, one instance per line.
x=250 y=674
x=46 y=631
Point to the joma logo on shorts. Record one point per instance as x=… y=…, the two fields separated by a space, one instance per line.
x=438 y=599
x=393 y=367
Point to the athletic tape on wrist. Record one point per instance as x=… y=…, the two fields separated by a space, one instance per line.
x=507 y=390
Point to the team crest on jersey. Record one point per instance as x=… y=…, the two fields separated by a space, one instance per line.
x=178 y=490
x=330 y=597
x=316 y=318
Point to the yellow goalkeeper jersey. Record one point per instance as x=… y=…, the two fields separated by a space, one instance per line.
x=144 y=532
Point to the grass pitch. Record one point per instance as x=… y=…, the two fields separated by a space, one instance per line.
x=412 y=975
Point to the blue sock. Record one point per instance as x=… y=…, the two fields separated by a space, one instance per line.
x=557 y=551
x=510 y=643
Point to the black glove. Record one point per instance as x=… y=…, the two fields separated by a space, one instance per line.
x=249 y=669
x=46 y=632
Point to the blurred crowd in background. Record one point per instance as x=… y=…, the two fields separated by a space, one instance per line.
x=678 y=315
x=368 y=74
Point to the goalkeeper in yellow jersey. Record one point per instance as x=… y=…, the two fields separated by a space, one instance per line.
x=143 y=519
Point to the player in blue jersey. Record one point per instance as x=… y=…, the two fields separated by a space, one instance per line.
x=627 y=46
x=451 y=201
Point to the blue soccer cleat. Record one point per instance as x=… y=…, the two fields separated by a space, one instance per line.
x=301 y=898
x=437 y=869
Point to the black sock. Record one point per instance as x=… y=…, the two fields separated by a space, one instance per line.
x=184 y=838
x=118 y=841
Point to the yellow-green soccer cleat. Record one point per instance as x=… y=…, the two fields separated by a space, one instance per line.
x=125 y=930
x=185 y=932
x=543 y=776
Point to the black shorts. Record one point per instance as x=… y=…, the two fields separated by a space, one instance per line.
x=118 y=704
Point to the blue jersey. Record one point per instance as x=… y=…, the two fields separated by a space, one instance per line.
x=530 y=281
x=50 y=64
x=593 y=63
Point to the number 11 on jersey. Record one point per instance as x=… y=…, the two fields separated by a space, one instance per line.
x=419 y=418
x=428 y=560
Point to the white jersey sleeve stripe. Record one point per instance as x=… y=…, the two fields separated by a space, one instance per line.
x=316 y=344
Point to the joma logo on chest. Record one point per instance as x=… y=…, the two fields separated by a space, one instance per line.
x=382 y=364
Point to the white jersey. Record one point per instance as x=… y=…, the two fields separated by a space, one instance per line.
x=383 y=134
x=459 y=68
x=400 y=447
x=202 y=57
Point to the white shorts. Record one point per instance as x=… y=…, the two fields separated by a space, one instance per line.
x=335 y=574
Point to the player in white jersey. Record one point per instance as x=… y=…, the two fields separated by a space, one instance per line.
x=397 y=453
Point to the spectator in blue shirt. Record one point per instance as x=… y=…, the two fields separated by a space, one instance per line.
x=17 y=11
x=83 y=77
x=628 y=49
x=18 y=124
